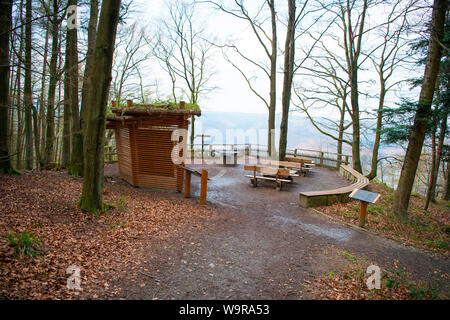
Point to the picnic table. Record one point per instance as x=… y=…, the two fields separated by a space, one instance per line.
x=279 y=175
x=306 y=165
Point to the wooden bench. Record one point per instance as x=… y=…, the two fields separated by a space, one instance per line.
x=298 y=160
x=305 y=164
x=329 y=197
x=188 y=172
x=279 y=175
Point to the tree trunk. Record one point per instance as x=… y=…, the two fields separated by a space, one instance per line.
x=376 y=146
x=67 y=115
x=273 y=82
x=431 y=192
x=289 y=56
x=414 y=149
x=50 y=134
x=92 y=194
x=356 y=154
x=447 y=188
x=28 y=99
x=37 y=135
x=5 y=26
x=353 y=50
x=76 y=163
x=19 y=140
x=42 y=100
x=340 y=137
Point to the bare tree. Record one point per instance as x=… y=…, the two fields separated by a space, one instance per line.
x=328 y=88
x=28 y=94
x=5 y=26
x=386 y=58
x=188 y=64
x=289 y=57
x=130 y=54
x=56 y=20
x=264 y=27
x=413 y=151
x=92 y=194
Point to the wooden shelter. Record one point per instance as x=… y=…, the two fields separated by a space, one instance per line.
x=144 y=143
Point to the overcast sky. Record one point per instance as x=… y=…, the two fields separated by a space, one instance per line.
x=232 y=93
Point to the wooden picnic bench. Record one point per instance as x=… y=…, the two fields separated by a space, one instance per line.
x=286 y=164
x=279 y=175
x=305 y=164
x=188 y=172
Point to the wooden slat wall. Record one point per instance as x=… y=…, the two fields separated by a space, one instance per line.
x=124 y=153
x=144 y=150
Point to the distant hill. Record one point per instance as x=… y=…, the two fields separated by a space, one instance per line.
x=301 y=133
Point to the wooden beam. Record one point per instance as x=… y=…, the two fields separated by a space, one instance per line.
x=187 y=183
x=204 y=187
x=362 y=214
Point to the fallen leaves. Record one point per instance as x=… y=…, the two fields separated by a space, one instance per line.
x=425 y=229
x=107 y=248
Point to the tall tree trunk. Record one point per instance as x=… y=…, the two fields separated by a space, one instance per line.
x=5 y=26
x=28 y=99
x=37 y=135
x=431 y=192
x=19 y=105
x=67 y=115
x=92 y=35
x=50 y=134
x=340 y=136
x=376 y=145
x=447 y=188
x=356 y=148
x=273 y=81
x=42 y=99
x=92 y=194
x=414 y=149
x=352 y=42
x=76 y=163
x=289 y=56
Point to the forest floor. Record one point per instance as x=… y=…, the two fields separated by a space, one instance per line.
x=246 y=243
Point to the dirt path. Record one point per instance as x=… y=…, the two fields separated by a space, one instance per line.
x=263 y=246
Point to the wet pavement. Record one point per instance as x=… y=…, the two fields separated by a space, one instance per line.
x=263 y=245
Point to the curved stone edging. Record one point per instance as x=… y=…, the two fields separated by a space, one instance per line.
x=328 y=197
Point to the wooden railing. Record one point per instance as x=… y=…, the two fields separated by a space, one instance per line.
x=321 y=158
x=110 y=154
x=205 y=151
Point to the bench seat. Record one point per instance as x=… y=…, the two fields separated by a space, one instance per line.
x=329 y=197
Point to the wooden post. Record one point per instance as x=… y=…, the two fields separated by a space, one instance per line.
x=257 y=154
x=203 y=145
x=346 y=160
x=187 y=183
x=321 y=158
x=295 y=153
x=203 y=187
x=362 y=213
x=276 y=180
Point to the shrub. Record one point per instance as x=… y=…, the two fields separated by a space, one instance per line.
x=25 y=244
